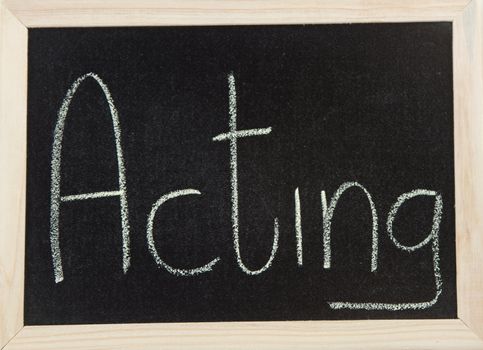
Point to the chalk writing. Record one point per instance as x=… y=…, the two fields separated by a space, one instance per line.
x=56 y=198
x=327 y=214
x=432 y=237
x=232 y=136
x=152 y=247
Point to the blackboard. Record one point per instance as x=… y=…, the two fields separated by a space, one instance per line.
x=237 y=173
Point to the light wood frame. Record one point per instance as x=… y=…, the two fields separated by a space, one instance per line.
x=466 y=332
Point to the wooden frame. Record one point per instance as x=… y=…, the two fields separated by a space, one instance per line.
x=466 y=332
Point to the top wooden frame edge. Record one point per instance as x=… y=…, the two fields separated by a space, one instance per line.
x=93 y=13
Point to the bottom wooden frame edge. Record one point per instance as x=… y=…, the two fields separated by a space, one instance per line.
x=373 y=334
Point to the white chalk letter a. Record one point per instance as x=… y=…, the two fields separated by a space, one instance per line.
x=56 y=197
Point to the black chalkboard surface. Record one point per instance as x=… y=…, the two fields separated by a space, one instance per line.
x=290 y=172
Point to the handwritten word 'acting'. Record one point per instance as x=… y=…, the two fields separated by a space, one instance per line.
x=231 y=137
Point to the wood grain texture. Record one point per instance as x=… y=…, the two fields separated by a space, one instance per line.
x=333 y=335
x=407 y=334
x=61 y=13
x=13 y=104
x=468 y=73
